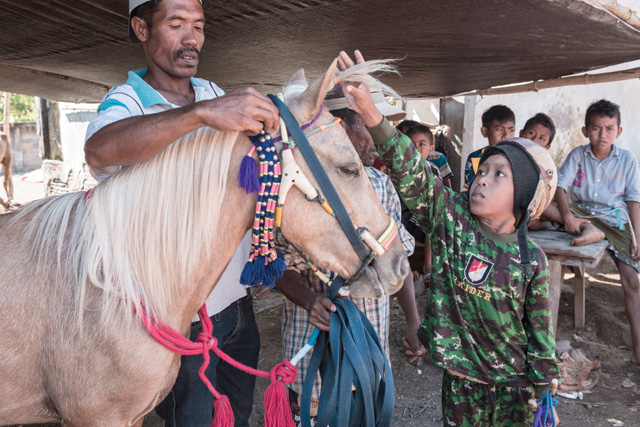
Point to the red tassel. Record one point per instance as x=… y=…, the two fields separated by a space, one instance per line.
x=277 y=410
x=222 y=413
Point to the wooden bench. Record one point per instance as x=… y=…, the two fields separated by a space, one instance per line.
x=557 y=246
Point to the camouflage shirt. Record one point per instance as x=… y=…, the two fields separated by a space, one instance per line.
x=485 y=319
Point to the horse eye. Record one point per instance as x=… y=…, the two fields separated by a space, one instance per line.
x=350 y=170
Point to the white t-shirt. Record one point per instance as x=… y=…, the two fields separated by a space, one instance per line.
x=135 y=98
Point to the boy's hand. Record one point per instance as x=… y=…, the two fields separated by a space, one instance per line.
x=415 y=349
x=320 y=310
x=358 y=95
x=572 y=224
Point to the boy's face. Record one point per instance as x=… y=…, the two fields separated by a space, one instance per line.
x=602 y=132
x=496 y=131
x=491 y=193
x=423 y=145
x=537 y=133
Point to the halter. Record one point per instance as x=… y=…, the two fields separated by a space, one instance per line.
x=277 y=176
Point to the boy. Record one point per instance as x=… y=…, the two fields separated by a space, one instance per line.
x=603 y=180
x=487 y=320
x=422 y=139
x=498 y=123
x=539 y=129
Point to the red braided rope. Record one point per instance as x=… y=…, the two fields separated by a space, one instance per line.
x=170 y=339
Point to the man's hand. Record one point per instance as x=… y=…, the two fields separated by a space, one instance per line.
x=320 y=310
x=243 y=110
x=415 y=350
x=358 y=95
x=572 y=224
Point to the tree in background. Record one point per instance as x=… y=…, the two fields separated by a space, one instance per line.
x=23 y=108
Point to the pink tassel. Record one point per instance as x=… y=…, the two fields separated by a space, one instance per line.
x=277 y=410
x=222 y=413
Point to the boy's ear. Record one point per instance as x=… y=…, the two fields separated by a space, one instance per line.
x=584 y=132
x=484 y=131
x=619 y=131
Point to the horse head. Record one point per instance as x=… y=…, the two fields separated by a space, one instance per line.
x=308 y=226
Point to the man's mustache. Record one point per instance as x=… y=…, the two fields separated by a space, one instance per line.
x=178 y=53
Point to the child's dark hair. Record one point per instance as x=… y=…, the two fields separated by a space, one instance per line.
x=499 y=113
x=420 y=128
x=405 y=125
x=544 y=120
x=602 y=108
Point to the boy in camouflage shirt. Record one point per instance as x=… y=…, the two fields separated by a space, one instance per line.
x=487 y=320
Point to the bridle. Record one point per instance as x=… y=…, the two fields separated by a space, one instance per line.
x=364 y=244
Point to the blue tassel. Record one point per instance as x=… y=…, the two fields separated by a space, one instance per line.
x=247 y=277
x=248 y=175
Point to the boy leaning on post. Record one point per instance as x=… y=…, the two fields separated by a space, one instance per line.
x=487 y=321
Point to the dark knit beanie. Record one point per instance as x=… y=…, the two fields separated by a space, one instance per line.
x=526 y=175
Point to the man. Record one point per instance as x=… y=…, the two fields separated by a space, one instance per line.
x=137 y=120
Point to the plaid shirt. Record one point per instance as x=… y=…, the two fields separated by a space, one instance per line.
x=296 y=329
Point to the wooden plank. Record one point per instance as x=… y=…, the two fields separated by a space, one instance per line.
x=555 y=289
x=579 y=297
x=558 y=243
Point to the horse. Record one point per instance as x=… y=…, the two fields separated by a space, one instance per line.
x=156 y=236
x=5 y=159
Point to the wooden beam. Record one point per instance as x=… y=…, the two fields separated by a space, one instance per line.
x=583 y=79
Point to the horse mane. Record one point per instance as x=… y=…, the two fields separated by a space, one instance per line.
x=359 y=73
x=144 y=232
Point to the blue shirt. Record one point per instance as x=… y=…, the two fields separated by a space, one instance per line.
x=601 y=185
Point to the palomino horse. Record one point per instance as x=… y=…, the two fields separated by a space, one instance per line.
x=156 y=237
x=5 y=159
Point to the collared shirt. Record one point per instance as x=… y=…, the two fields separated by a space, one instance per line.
x=296 y=329
x=440 y=161
x=471 y=167
x=137 y=98
x=598 y=185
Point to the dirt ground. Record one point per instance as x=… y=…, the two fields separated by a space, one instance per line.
x=606 y=338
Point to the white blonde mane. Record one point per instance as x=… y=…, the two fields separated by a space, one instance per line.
x=145 y=231
x=361 y=73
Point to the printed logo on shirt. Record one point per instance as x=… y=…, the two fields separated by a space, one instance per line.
x=579 y=179
x=477 y=270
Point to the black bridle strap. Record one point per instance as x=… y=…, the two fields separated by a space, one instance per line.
x=321 y=177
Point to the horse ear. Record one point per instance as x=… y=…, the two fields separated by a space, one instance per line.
x=313 y=97
x=298 y=79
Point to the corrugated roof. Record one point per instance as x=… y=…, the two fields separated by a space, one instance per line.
x=73 y=50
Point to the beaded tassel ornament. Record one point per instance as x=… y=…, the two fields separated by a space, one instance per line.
x=264 y=265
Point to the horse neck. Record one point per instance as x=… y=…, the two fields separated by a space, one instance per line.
x=236 y=217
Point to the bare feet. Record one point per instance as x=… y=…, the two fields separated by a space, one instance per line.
x=635 y=357
x=588 y=234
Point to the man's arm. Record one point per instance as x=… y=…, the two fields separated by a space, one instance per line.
x=319 y=307
x=407 y=299
x=136 y=139
x=571 y=223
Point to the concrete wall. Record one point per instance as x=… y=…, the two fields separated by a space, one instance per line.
x=566 y=106
x=25 y=147
x=71 y=174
